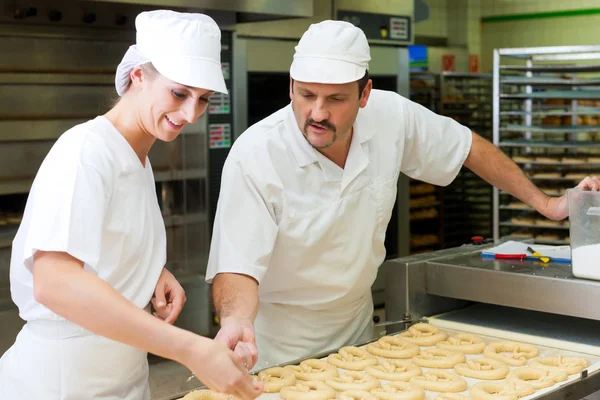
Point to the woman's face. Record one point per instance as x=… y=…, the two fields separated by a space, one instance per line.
x=168 y=106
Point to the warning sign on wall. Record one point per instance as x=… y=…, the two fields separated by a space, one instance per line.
x=473 y=63
x=448 y=64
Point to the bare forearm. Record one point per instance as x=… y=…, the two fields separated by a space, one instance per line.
x=235 y=295
x=64 y=287
x=492 y=165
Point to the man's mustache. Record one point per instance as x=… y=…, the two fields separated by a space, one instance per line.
x=324 y=123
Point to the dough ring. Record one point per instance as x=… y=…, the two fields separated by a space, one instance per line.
x=313 y=370
x=353 y=380
x=463 y=342
x=500 y=391
x=277 y=377
x=482 y=368
x=440 y=381
x=450 y=396
x=356 y=395
x=570 y=365
x=438 y=358
x=393 y=347
x=423 y=334
x=352 y=358
x=399 y=391
x=519 y=352
x=394 y=370
x=536 y=377
x=207 y=395
x=311 y=390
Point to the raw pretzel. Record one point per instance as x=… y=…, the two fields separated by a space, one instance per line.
x=356 y=395
x=482 y=368
x=313 y=370
x=536 y=377
x=275 y=378
x=353 y=380
x=352 y=358
x=463 y=342
x=394 y=370
x=570 y=365
x=311 y=390
x=393 y=347
x=440 y=381
x=450 y=396
x=399 y=391
x=519 y=352
x=438 y=358
x=208 y=395
x=423 y=334
x=499 y=391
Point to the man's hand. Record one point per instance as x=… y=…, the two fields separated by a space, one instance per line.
x=169 y=297
x=238 y=335
x=557 y=208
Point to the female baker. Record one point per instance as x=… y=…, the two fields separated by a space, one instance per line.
x=90 y=253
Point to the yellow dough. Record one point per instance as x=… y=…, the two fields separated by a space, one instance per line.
x=570 y=365
x=393 y=347
x=311 y=390
x=423 y=334
x=463 y=342
x=499 y=391
x=483 y=368
x=399 y=391
x=352 y=358
x=356 y=395
x=207 y=395
x=536 y=377
x=511 y=353
x=276 y=378
x=438 y=358
x=313 y=370
x=353 y=380
x=394 y=370
x=440 y=381
x=450 y=396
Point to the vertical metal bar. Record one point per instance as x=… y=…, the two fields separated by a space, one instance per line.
x=402 y=199
x=496 y=137
x=240 y=89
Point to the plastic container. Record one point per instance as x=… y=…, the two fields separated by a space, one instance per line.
x=584 y=219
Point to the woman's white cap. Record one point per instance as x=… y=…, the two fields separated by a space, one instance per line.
x=183 y=47
x=331 y=52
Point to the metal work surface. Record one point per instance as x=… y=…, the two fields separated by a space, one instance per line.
x=520 y=284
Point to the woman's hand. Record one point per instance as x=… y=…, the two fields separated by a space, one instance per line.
x=169 y=297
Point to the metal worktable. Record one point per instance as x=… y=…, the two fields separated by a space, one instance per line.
x=523 y=296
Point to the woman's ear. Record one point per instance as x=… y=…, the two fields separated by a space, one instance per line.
x=136 y=75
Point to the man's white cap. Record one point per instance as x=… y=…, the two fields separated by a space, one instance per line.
x=331 y=52
x=183 y=47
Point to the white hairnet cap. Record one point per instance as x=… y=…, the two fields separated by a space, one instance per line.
x=183 y=47
x=331 y=52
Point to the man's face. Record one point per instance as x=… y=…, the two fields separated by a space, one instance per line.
x=325 y=113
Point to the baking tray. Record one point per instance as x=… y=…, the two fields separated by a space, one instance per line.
x=594 y=366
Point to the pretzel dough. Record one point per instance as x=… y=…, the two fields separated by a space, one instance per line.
x=313 y=370
x=311 y=390
x=277 y=377
x=438 y=358
x=463 y=342
x=499 y=391
x=519 y=352
x=394 y=370
x=399 y=391
x=440 y=381
x=353 y=380
x=482 y=368
x=450 y=396
x=536 y=377
x=423 y=334
x=207 y=395
x=356 y=395
x=393 y=347
x=570 y=365
x=352 y=358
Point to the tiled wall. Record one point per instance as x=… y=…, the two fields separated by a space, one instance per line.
x=437 y=23
x=557 y=31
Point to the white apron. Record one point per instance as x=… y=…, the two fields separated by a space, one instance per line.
x=58 y=360
x=285 y=333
